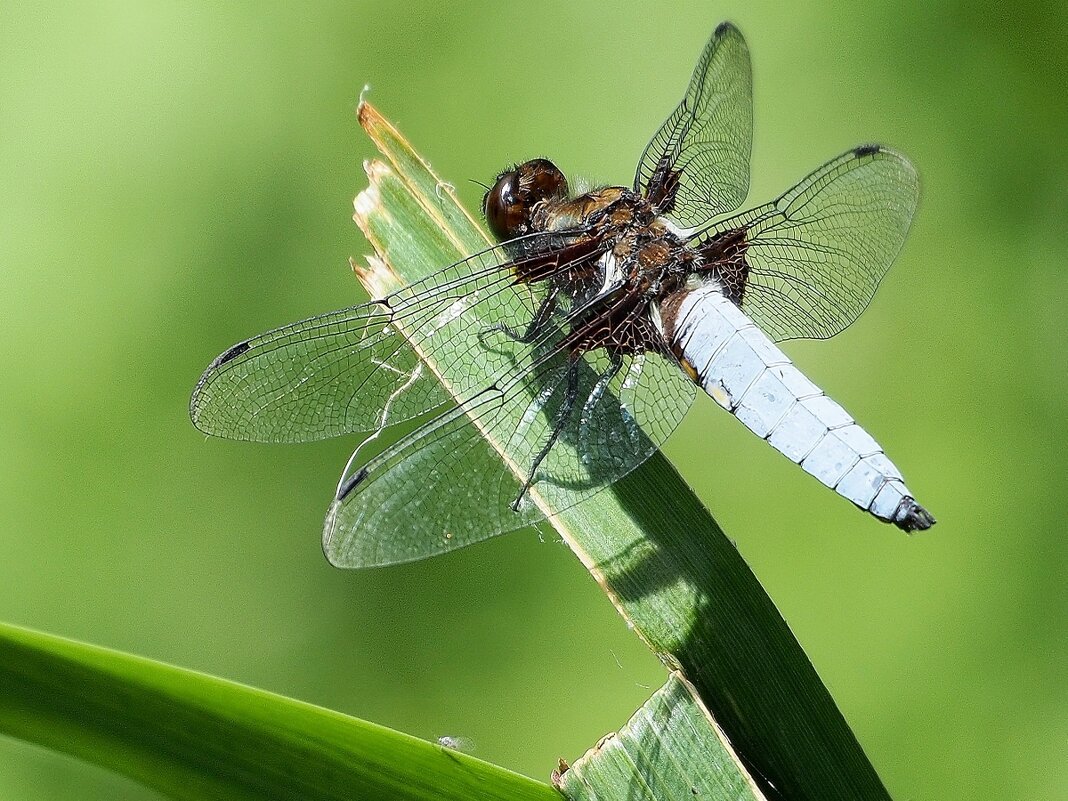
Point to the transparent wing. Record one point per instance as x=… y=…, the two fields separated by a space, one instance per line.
x=807 y=264
x=696 y=166
x=446 y=486
x=353 y=370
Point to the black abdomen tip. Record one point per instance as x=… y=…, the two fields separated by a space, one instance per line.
x=912 y=517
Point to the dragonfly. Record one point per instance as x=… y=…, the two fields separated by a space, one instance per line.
x=551 y=364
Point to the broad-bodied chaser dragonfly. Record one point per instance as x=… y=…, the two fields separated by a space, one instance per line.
x=584 y=333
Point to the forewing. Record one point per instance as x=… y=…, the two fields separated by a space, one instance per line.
x=696 y=166
x=359 y=369
x=318 y=378
x=454 y=481
x=807 y=264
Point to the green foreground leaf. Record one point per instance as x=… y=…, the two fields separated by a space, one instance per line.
x=647 y=540
x=670 y=749
x=192 y=736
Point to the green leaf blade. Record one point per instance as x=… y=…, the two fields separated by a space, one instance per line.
x=668 y=750
x=193 y=737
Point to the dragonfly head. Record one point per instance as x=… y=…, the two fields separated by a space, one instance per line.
x=509 y=204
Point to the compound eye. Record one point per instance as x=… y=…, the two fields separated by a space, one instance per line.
x=505 y=211
x=510 y=203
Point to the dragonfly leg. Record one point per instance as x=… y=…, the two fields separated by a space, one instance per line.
x=587 y=425
x=534 y=327
x=563 y=414
x=602 y=384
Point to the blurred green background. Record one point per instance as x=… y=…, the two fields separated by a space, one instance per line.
x=176 y=178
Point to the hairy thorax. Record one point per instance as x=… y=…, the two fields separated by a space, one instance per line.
x=641 y=260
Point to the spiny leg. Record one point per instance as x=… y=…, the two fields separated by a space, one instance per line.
x=563 y=414
x=534 y=327
x=594 y=398
x=599 y=388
